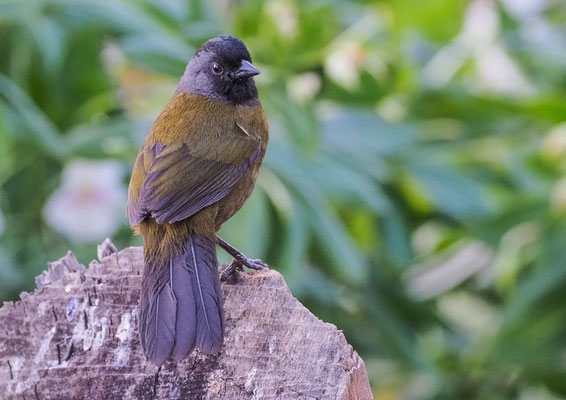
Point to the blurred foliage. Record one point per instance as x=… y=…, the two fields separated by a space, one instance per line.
x=413 y=193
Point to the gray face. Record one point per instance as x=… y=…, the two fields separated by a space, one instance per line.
x=221 y=70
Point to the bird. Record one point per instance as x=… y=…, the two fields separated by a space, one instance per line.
x=195 y=169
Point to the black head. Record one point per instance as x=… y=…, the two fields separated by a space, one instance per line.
x=221 y=70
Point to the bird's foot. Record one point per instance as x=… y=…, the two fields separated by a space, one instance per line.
x=252 y=263
x=238 y=263
x=239 y=260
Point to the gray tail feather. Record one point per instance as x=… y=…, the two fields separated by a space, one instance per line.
x=181 y=304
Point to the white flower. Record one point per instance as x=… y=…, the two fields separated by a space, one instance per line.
x=498 y=73
x=495 y=70
x=525 y=8
x=89 y=205
x=479 y=30
x=349 y=53
x=344 y=62
x=304 y=87
x=481 y=24
x=545 y=37
x=284 y=16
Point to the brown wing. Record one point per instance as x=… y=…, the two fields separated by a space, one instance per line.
x=173 y=181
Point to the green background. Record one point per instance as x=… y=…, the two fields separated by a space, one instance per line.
x=414 y=190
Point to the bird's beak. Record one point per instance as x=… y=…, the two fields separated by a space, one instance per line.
x=246 y=70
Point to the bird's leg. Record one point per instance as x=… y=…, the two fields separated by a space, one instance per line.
x=239 y=259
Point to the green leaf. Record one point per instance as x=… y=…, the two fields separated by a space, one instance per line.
x=157 y=52
x=41 y=129
x=453 y=193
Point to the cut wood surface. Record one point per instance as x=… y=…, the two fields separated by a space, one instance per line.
x=75 y=337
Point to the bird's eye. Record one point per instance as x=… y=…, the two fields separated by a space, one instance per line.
x=216 y=68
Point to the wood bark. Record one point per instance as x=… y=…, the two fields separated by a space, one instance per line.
x=75 y=337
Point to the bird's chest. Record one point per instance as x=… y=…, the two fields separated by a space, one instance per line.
x=234 y=200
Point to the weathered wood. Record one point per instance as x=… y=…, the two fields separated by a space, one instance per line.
x=76 y=337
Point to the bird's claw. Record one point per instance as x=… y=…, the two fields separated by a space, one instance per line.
x=239 y=259
x=238 y=263
x=255 y=263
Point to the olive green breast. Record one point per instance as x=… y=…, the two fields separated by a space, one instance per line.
x=254 y=121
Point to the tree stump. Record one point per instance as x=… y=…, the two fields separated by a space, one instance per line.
x=75 y=337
